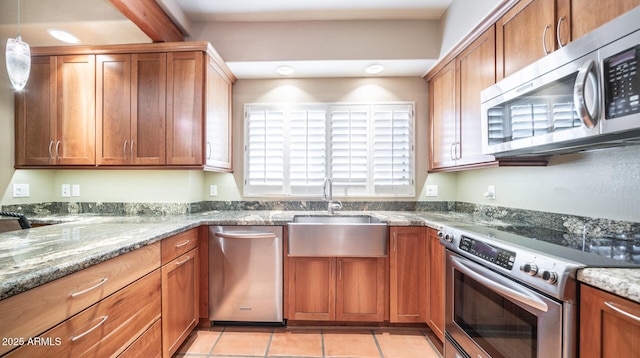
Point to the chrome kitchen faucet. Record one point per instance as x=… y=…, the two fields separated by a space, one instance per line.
x=331 y=205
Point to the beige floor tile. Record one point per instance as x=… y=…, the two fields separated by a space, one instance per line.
x=350 y=343
x=200 y=342
x=404 y=344
x=296 y=343
x=243 y=341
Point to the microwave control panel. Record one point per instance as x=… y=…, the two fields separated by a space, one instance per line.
x=622 y=83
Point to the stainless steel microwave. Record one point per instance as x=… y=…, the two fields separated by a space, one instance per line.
x=584 y=96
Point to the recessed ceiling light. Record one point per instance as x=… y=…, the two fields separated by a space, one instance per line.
x=63 y=36
x=375 y=69
x=285 y=70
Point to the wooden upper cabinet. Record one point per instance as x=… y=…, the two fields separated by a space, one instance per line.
x=60 y=101
x=131 y=109
x=36 y=114
x=443 y=122
x=218 y=118
x=524 y=34
x=587 y=15
x=185 y=122
x=475 y=72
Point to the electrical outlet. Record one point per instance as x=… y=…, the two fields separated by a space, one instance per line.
x=213 y=190
x=491 y=192
x=432 y=190
x=20 y=190
x=75 y=190
x=66 y=190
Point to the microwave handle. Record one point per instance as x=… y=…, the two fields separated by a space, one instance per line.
x=588 y=72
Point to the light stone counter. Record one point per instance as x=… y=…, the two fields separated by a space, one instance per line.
x=624 y=282
x=29 y=258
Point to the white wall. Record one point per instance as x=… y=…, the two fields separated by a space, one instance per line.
x=332 y=90
x=460 y=18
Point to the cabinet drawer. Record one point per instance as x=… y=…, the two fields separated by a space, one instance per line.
x=177 y=245
x=106 y=328
x=148 y=345
x=33 y=312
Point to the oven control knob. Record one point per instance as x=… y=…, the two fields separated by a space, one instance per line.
x=550 y=276
x=530 y=269
x=448 y=238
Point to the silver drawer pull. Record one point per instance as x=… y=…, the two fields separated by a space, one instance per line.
x=183 y=244
x=75 y=338
x=621 y=311
x=104 y=279
x=183 y=261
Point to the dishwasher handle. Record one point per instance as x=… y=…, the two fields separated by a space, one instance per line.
x=245 y=235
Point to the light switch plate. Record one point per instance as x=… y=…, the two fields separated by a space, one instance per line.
x=75 y=190
x=20 y=190
x=432 y=190
x=213 y=190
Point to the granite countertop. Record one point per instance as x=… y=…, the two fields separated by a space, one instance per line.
x=623 y=282
x=29 y=258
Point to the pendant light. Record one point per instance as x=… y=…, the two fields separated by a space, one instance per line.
x=18 y=57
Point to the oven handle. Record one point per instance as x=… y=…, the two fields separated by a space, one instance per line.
x=514 y=292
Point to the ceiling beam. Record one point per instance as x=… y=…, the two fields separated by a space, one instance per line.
x=150 y=18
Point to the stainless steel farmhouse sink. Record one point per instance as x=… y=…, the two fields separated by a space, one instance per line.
x=339 y=235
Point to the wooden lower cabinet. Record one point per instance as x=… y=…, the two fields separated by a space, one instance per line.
x=340 y=289
x=609 y=325
x=179 y=300
x=435 y=297
x=104 y=329
x=407 y=274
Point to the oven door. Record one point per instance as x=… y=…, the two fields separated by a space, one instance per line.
x=489 y=315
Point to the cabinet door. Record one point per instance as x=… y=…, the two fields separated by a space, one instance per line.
x=360 y=289
x=148 y=108
x=218 y=119
x=75 y=120
x=179 y=300
x=444 y=126
x=435 y=315
x=407 y=274
x=609 y=325
x=185 y=122
x=312 y=289
x=588 y=15
x=35 y=114
x=113 y=108
x=476 y=71
x=523 y=35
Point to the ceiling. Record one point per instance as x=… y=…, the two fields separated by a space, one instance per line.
x=97 y=22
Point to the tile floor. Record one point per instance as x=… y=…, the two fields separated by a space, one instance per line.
x=250 y=342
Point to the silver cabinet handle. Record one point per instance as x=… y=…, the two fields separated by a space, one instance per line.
x=57 y=151
x=102 y=281
x=131 y=148
x=183 y=244
x=451 y=155
x=339 y=269
x=544 y=38
x=621 y=311
x=558 y=32
x=75 y=338
x=50 y=147
x=588 y=113
x=209 y=150
x=124 y=149
x=183 y=261
x=395 y=241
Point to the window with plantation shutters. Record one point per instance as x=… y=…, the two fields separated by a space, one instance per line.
x=366 y=149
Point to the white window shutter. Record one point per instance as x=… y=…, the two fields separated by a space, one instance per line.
x=264 y=147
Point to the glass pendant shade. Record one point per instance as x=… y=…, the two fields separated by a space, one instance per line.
x=18 y=59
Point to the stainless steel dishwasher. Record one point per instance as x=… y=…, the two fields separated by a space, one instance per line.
x=246 y=274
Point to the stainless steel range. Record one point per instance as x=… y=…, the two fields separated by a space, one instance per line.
x=509 y=295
